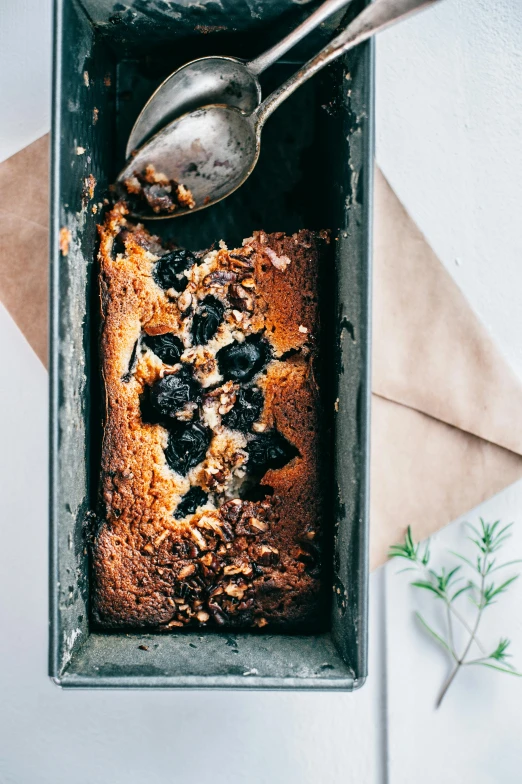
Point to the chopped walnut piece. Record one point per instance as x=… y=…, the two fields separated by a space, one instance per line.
x=219 y=278
x=258 y=524
x=234 y=590
x=267 y=555
x=186 y=571
x=279 y=262
x=184 y=301
x=233 y=569
x=241 y=298
x=199 y=538
x=161 y=537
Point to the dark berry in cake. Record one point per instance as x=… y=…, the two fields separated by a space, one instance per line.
x=241 y=361
x=207 y=320
x=187 y=446
x=168 y=348
x=190 y=502
x=168 y=272
x=171 y=393
x=247 y=409
x=269 y=450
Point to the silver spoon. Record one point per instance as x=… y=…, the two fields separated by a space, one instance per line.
x=213 y=150
x=225 y=80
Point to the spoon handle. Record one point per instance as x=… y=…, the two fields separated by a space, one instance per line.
x=282 y=47
x=375 y=17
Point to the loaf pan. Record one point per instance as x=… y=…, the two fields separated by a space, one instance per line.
x=315 y=172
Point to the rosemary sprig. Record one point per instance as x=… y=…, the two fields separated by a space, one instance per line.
x=446 y=586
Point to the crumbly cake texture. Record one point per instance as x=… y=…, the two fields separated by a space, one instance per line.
x=153 y=190
x=211 y=500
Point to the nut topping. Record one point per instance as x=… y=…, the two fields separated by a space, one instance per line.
x=186 y=571
x=199 y=538
x=233 y=569
x=185 y=301
x=259 y=525
x=232 y=589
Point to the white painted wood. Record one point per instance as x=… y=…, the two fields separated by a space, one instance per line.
x=25 y=70
x=474 y=738
x=449 y=112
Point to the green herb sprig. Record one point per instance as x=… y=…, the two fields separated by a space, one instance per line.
x=447 y=586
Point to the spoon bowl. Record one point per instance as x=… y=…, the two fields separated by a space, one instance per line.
x=219 y=79
x=208 y=80
x=211 y=151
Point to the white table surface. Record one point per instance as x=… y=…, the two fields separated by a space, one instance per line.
x=449 y=112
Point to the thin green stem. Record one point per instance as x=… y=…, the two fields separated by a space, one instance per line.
x=450 y=627
x=481 y=606
x=452 y=610
x=459 y=617
x=461 y=659
x=447 y=685
x=442 y=583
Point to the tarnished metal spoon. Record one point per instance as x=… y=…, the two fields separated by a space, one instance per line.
x=225 y=80
x=213 y=150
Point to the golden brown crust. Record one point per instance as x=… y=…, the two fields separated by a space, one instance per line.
x=238 y=562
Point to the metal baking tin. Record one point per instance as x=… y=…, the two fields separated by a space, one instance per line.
x=315 y=171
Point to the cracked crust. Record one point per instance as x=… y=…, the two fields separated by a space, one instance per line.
x=249 y=555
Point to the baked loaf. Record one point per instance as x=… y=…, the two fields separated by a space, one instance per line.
x=211 y=497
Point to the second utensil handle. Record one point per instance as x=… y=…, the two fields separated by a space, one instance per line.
x=375 y=17
x=322 y=13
